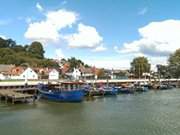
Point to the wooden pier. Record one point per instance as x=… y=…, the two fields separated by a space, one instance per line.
x=14 y=96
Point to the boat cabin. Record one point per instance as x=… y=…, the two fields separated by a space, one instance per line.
x=64 y=86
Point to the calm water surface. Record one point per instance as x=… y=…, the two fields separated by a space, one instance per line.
x=151 y=113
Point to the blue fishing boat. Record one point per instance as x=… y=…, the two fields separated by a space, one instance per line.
x=65 y=92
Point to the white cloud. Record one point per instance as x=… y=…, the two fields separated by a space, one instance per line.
x=39 y=7
x=143 y=11
x=87 y=37
x=59 y=54
x=42 y=31
x=49 y=29
x=61 y=18
x=158 y=40
x=157 y=60
x=100 y=48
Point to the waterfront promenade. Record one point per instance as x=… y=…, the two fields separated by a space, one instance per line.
x=112 y=81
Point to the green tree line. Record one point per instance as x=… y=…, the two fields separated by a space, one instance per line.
x=19 y=55
x=141 y=65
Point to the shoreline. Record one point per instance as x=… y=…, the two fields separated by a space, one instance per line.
x=35 y=82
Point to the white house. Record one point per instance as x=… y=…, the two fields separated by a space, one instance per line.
x=87 y=73
x=76 y=74
x=29 y=74
x=2 y=76
x=53 y=75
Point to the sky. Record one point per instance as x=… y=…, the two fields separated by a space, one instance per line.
x=102 y=33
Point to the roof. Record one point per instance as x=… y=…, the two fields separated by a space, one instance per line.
x=16 y=71
x=53 y=70
x=65 y=68
x=85 y=70
x=6 y=68
x=41 y=70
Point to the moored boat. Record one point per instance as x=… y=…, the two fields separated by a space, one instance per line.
x=65 y=92
x=165 y=87
x=110 y=91
x=102 y=91
x=125 y=89
x=141 y=88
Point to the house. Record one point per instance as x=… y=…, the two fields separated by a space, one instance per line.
x=53 y=74
x=119 y=74
x=43 y=73
x=5 y=71
x=65 y=68
x=146 y=75
x=87 y=73
x=2 y=76
x=27 y=73
x=5 y=68
x=76 y=74
x=16 y=71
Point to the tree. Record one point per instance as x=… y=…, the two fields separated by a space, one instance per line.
x=140 y=65
x=174 y=64
x=10 y=43
x=48 y=63
x=163 y=71
x=31 y=55
x=36 y=49
x=74 y=63
x=19 y=48
x=5 y=43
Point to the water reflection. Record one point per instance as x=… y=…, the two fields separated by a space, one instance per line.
x=150 y=113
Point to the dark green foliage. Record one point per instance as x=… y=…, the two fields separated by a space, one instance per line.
x=139 y=66
x=6 y=43
x=29 y=55
x=74 y=63
x=163 y=71
x=36 y=49
x=48 y=63
x=174 y=64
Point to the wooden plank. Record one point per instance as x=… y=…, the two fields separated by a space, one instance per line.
x=14 y=96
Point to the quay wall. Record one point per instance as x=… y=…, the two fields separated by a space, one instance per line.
x=115 y=81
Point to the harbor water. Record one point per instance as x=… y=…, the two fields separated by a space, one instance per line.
x=149 y=113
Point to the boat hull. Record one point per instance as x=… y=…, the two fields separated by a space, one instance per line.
x=125 y=90
x=110 y=91
x=63 y=96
